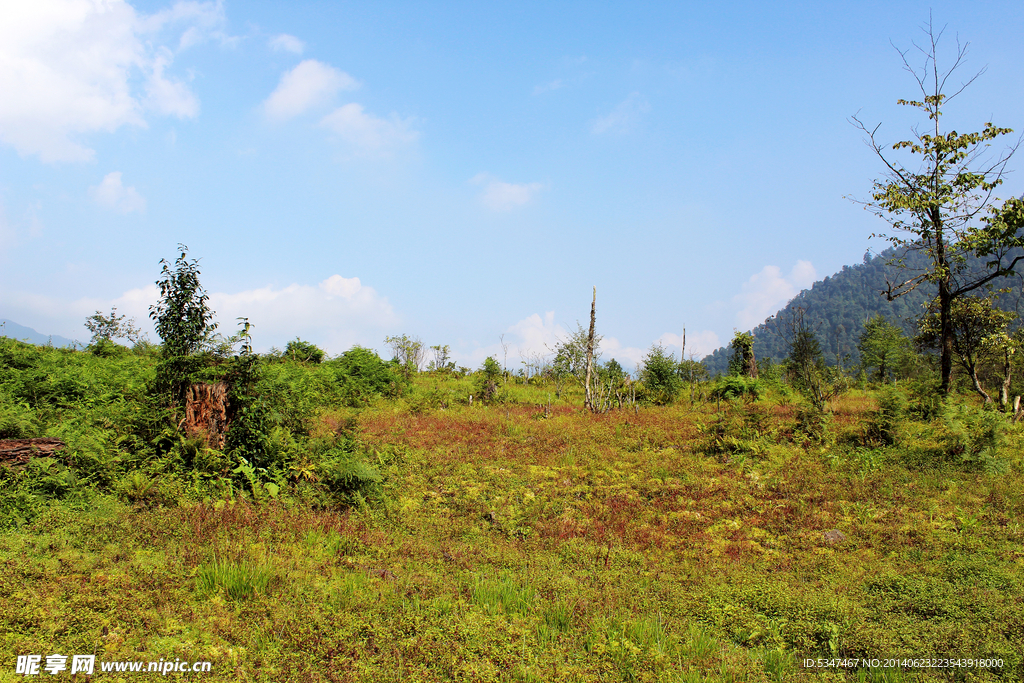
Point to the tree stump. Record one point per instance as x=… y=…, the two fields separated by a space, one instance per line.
x=206 y=413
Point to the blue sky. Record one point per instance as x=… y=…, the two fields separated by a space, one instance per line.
x=460 y=172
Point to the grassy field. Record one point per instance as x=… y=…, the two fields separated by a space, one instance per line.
x=718 y=541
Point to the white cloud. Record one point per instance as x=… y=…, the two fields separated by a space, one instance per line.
x=768 y=291
x=286 y=43
x=538 y=336
x=308 y=85
x=73 y=67
x=547 y=87
x=203 y=20
x=532 y=336
x=698 y=344
x=622 y=118
x=113 y=195
x=166 y=96
x=625 y=355
x=66 y=318
x=366 y=132
x=335 y=314
x=498 y=195
x=535 y=335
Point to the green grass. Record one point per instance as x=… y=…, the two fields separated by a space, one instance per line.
x=502 y=543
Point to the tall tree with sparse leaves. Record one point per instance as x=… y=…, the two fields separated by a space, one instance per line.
x=940 y=207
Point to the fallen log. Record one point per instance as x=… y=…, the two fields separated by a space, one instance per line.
x=18 y=451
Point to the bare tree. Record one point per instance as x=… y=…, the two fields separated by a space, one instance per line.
x=588 y=400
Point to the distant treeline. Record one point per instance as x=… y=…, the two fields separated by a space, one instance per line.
x=837 y=307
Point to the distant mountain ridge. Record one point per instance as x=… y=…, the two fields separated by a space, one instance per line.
x=9 y=328
x=837 y=307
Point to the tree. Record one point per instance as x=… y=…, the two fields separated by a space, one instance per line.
x=940 y=208
x=408 y=351
x=571 y=355
x=107 y=328
x=743 y=344
x=363 y=376
x=806 y=365
x=589 y=399
x=488 y=384
x=882 y=345
x=304 y=352
x=184 y=322
x=979 y=335
x=183 y=317
x=660 y=375
x=441 y=362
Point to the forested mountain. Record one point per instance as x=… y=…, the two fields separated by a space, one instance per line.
x=837 y=307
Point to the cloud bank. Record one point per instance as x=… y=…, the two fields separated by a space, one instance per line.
x=768 y=291
x=335 y=314
x=70 y=68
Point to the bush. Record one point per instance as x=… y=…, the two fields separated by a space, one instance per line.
x=660 y=375
x=886 y=422
x=303 y=352
x=348 y=480
x=972 y=437
x=737 y=386
x=487 y=385
x=364 y=376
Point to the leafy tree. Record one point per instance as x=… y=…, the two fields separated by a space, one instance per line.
x=660 y=375
x=247 y=437
x=939 y=208
x=107 y=328
x=441 y=362
x=490 y=373
x=744 y=361
x=882 y=345
x=979 y=335
x=693 y=372
x=363 y=375
x=184 y=322
x=183 y=317
x=807 y=369
x=611 y=372
x=304 y=352
x=408 y=351
x=571 y=355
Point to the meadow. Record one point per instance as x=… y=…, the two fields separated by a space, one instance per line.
x=422 y=537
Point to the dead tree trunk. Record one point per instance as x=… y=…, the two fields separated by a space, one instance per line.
x=18 y=451
x=588 y=400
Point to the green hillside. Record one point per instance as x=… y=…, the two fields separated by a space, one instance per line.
x=837 y=307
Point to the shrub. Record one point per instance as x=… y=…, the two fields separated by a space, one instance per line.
x=347 y=479
x=364 y=376
x=487 y=385
x=660 y=375
x=737 y=386
x=885 y=423
x=972 y=437
x=303 y=352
